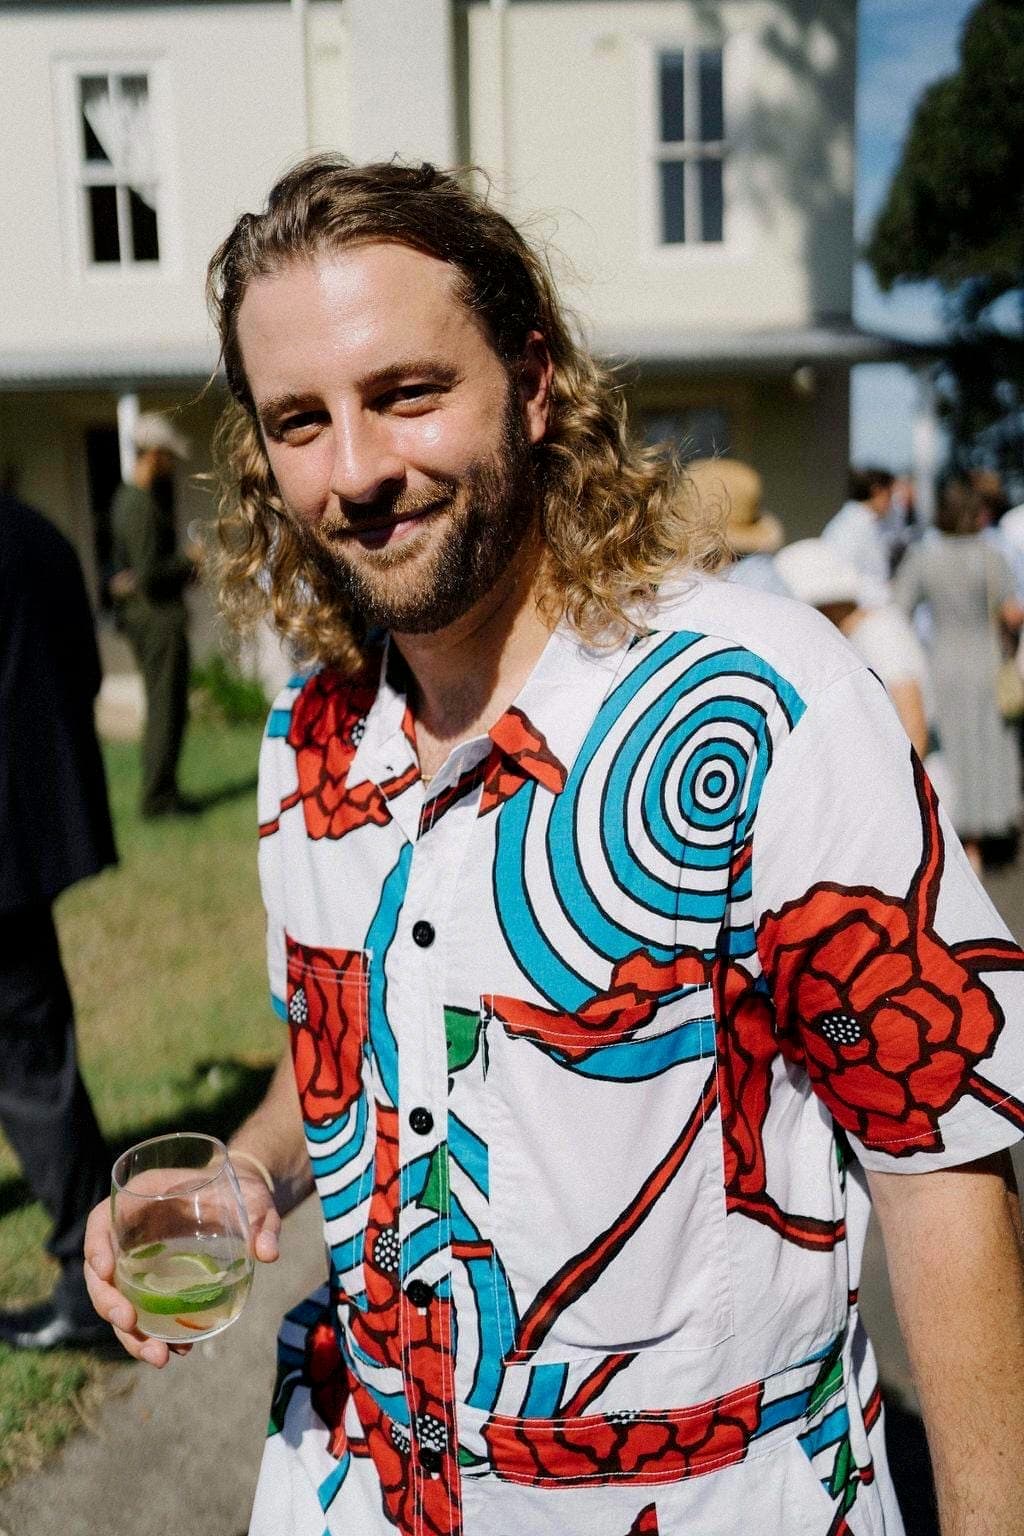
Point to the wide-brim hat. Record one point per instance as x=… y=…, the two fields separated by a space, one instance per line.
x=154 y=431
x=735 y=488
x=815 y=574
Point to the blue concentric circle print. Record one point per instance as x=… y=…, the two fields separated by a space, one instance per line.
x=642 y=838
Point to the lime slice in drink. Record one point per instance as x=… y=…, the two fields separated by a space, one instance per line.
x=186 y=1298
x=150 y=1251
x=182 y=1282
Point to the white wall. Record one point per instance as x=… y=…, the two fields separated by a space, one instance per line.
x=561 y=110
x=231 y=85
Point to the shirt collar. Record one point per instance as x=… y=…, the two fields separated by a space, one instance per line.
x=387 y=750
x=542 y=730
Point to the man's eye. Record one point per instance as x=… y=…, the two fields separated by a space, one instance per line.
x=294 y=425
x=411 y=394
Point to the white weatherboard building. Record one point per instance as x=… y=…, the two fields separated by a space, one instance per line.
x=688 y=162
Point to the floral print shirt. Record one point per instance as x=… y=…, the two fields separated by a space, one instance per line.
x=594 y=1040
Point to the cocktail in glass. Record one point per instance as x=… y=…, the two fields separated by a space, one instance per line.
x=181 y=1236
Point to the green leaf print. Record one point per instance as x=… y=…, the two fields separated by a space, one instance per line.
x=844 y=1475
x=462 y=1030
x=829 y=1381
x=435 y=1192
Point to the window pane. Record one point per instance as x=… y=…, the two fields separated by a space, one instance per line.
x=712 y=107
x=670 y=83
x=94 y=102
x=673 y=202
x=145 y=244
x=102 y=204
x=134 y=88
x=711 y=200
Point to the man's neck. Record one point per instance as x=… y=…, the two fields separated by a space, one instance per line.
x=465 y=677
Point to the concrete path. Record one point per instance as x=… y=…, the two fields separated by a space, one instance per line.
x=177 y=1451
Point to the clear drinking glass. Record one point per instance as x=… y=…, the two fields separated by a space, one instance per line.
x=181 y=1236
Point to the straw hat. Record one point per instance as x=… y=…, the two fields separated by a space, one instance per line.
x=815 y=574
x=736 y=488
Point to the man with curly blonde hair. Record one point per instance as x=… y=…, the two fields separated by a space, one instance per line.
x=620 y=938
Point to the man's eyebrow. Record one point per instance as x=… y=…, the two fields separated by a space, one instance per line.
x=280 y=405
x=407 y=368
x=445 y=374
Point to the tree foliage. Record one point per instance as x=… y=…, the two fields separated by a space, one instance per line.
x=955 y=209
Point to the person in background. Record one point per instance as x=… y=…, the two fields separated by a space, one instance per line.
x=151 y=576
x=998 y=523
x=857 y=532
x=970 y=593
x=883 y=638
x=735 y=490
x=54 y=831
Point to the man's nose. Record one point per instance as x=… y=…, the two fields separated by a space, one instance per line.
x=365 y=461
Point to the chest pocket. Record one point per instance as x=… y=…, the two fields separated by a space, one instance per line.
x=328 y=1007
x=606 y=1189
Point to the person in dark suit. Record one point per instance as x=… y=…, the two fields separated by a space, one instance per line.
x=55 y=830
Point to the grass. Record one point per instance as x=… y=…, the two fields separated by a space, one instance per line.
x=165 y=959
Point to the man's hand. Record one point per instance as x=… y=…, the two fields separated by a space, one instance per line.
x=123 y=584
x=117 y=1310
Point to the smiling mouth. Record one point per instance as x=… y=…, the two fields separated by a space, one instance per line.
x=379 y=533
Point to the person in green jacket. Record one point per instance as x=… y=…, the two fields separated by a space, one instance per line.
x=152 y=574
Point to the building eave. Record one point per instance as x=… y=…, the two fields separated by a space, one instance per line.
x=656 y=351
x=120 y=371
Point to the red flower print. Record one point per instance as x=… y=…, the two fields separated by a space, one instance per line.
x=328 y=1382
x=375 y=1329
x=327 y=1020
x=326 y=720
x=519 y=753
x=889 y=1020
x=625 y=1447
x=637 y=986
x=746 y=1047
x=426 y=1504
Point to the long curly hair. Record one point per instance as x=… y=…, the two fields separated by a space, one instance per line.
x=616 y=517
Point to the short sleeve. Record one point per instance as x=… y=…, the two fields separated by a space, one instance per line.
x=895 y=983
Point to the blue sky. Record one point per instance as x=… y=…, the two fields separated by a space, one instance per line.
x=903 y=46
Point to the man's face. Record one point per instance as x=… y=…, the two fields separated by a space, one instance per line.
x=880 y=501
x=399 y=444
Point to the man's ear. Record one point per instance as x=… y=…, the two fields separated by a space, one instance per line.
x=534 y=384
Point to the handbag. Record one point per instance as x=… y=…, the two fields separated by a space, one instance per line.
x=1009 y=690
x=1009 y=682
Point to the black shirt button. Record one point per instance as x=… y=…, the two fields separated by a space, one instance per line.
x=430 y=1460
x=422 y=1121
x=419 y=1293
x=423 y=934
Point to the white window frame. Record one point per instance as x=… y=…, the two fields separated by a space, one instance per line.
x=77 y=174
x=652 y=152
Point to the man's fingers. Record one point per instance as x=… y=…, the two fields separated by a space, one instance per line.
x=99 y=1251
x=114 y=1308
x=266 y=1245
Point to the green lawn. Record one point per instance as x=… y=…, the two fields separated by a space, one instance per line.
x=165 y=959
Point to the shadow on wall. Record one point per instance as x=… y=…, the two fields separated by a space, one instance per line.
x=795 y=146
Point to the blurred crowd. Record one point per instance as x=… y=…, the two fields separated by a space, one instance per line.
x=935 y=608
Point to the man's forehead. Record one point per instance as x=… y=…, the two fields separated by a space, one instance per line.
x=371 y=305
